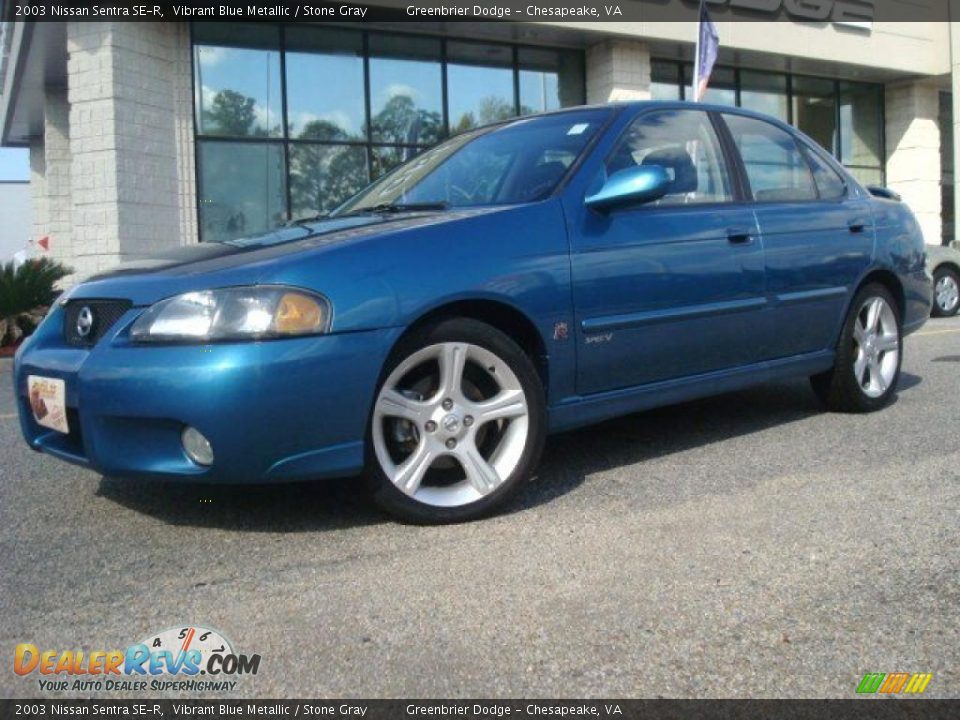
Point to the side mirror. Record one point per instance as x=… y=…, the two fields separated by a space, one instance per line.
x=632 y=186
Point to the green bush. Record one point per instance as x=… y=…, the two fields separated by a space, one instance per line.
x=25 y=295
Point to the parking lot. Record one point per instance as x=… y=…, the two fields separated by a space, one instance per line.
x=745 y=545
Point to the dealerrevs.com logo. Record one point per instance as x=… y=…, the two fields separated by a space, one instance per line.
x=191 y=658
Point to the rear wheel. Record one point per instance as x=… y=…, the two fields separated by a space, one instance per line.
x=457 y=426
x=946 y=292
x=867 y=368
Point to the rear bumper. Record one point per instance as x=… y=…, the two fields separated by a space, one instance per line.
x=278 y=410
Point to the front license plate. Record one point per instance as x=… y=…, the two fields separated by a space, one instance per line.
x=48 y=401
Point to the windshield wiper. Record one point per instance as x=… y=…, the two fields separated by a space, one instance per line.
x=312 y=218
x=388 y=208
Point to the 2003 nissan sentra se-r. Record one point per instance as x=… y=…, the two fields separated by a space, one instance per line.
x=515 y=280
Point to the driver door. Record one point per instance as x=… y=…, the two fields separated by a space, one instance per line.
x=672 y=288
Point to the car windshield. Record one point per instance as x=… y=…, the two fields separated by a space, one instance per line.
x=520 y=162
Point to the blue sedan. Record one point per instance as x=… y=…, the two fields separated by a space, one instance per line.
x=513 y=281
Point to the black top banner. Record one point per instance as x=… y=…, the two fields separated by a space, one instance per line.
x=486 y=709
x=856 y=14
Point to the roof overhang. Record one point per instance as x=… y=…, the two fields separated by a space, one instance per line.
x=36 y=60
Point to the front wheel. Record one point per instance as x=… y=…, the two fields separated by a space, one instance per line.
x=867 y=368
x=457 y=426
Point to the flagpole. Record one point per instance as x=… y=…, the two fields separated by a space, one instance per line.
x=696 y=58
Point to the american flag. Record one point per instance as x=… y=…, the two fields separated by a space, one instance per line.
x=708 y=42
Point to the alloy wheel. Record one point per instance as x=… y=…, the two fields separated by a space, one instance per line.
x=946 y=293
x=450 y=424
x=876 y=338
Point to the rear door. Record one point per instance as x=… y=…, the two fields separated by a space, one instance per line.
x=817 y=235
x=672 y=288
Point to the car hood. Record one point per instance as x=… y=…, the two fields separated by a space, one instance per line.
x=244 y=261
x=190 y=254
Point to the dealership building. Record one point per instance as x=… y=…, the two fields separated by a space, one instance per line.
x=145 y=136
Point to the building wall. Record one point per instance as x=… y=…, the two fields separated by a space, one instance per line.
x=132 y=163
x=914 y=48
x=50 y=185
x=913 y=151
x=112 y=176
x=618 y=70
x=17 y=226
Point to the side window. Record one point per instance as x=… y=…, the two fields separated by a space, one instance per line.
x=682 y=142
x=829 y=184
x=776 y=169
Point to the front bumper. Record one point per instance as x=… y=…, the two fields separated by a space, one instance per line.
x=276 y=410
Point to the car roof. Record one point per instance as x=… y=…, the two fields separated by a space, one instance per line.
x=637 y=105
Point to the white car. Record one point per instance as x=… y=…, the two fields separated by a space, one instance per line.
x=944 y=264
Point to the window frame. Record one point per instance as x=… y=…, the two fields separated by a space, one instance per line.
x=801 y=151
x=366 y=141
x=810 y=152
x=737 y=195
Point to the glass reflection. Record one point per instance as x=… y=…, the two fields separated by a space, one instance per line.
x=860 y=129
x=242 y=188
x=406 y=90
x=479 y=94
x=764 y=92
x=238 y=91
x=814 y=110
x=323 y=176
x=664 y=81
x=324 y=69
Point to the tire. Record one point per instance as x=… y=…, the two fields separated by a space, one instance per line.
x=869 y=354
x=443 y=450
x=946 y=292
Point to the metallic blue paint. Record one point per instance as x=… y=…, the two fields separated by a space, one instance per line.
x=663 y=303
x=630 y=186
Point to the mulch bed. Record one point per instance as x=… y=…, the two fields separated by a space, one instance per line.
x=9 y=350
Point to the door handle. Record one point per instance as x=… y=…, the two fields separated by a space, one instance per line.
x=739 y=236
x=857 y=226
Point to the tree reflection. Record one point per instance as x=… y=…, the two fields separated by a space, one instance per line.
x=332 y=168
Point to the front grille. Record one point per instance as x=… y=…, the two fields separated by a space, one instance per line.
x=103 y=314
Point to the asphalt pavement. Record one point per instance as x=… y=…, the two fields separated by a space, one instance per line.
x=748 y=545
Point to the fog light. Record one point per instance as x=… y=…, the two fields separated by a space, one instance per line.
x=197 y=446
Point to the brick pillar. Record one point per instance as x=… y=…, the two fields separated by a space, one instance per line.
x=618 y=70
x=132 y=166
x=913 y=151
x=50 y=186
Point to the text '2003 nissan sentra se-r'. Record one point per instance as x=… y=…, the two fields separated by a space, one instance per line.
x=515 y=280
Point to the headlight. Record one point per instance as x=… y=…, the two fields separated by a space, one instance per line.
x=241 y=313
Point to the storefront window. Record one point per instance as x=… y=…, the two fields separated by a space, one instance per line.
x=334 y=142
x=238 y=88
x=337 y=113
x=861 y=146
x=815 y=110
x=764 y=92
x=479 y=84
x=664 y=80
x=242 y=188
x=406 y=90
x=722 y=89
x=323 y=176
x=549 y=79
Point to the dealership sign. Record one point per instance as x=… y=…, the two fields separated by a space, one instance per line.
x=854 y=13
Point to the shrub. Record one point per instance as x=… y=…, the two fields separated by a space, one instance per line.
x=25 y=295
